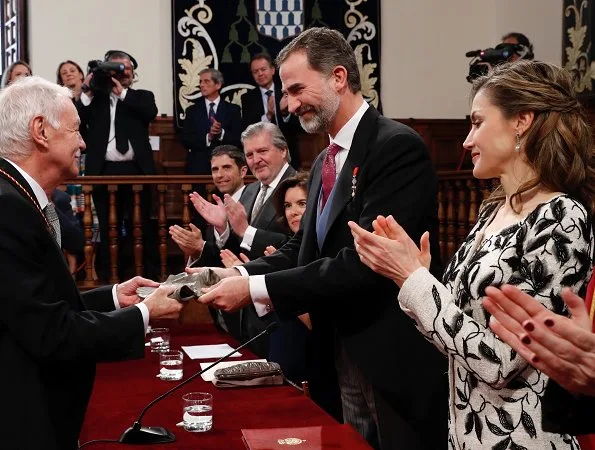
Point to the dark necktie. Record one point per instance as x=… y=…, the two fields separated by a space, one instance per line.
x=52 y=217
x=259 y=202
x=329 y=172
x=120 y=127
x=269 y=94
x=212 y=112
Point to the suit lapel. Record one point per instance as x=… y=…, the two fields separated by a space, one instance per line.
x=248 y=197
x=268 y=213
x=10 y=169
x=309 y=221
x=355 y=158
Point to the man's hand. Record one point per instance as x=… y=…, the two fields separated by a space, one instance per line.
x=117 y=88
x=215 y=130
x=269 y=250
x=219 y=271
x=229 y=259
x=189 y=241
x=126 y=292
x=160 y=306
x=213 y=214
x=237 y=216
x=229 y=295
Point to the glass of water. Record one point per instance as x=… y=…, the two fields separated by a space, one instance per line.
x=171 y=365
x=159 y=338
x=198 y=411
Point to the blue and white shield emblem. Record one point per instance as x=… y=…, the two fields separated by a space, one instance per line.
x=280 y=19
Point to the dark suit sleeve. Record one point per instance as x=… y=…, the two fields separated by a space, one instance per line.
x=233 y=129
x=566 y=413
x=399 y=180
x=41 y=308
x=141 y=103
x=192 y=137
x=264 y=238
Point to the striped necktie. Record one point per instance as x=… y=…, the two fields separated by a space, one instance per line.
x=52 y=217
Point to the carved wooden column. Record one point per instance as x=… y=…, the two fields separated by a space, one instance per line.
x=442 y=221
x=450 y=221
x=462 y=212
x=90 y=280
x=162 y=226
x=113 y=233
x=137 y=229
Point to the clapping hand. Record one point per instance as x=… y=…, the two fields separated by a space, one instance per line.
x=214 y=214
x=237 y=216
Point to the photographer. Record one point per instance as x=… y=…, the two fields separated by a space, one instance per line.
x=514 y=46
x=117 y=118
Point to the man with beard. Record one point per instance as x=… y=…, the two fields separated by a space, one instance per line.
x=392 y=382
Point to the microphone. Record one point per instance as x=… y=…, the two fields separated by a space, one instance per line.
x=137 y=434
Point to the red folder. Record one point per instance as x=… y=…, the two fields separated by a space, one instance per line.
x=306 y=438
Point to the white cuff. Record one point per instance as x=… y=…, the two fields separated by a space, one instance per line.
x=123 y=94
x=145 y=312
x=220 y=240
x=248 y=238
x=85 y=100
x=260 y=295
x=242 y=270
x=115 y=297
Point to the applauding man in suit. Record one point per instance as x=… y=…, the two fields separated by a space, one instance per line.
x=391 y=380
x=210 y=122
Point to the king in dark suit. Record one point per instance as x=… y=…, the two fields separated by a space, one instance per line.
x=392 y=382
x=50 y=340
x=210 y=122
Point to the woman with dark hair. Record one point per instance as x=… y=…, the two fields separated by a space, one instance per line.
x=71 y=75
x=16 y=70
x=290 y=203
x=535 y=232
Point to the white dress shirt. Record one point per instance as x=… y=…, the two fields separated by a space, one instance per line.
x=111 y=152
x=344 y=138
x=42 y=199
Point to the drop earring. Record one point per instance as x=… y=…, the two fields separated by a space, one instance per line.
x=517 y=147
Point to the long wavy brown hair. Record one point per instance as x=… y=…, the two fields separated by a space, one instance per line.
x=558 y=145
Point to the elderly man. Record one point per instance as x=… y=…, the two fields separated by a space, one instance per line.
x=50 y=338
x=392 y=382
x=250 y=224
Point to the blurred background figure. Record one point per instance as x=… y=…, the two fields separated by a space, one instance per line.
x=71 y=75
x=16 y=70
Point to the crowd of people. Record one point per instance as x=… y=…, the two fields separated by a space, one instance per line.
x=495 y=350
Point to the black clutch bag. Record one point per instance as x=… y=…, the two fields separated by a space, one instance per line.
x=249 y=374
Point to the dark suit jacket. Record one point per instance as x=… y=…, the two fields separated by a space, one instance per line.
x=73 y=238
x=196 y=128
x=348 y=301
x=138 y=110
x=565 y=413
x=49 y=340
x=253 y=110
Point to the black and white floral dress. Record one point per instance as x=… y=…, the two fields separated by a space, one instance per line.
x=495 y=395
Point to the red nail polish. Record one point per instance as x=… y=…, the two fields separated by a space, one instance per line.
x=535 y=359
x=526 y=340
x=528 y=326
x=548 y=322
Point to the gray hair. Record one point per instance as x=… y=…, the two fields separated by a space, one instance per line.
x=216 y=75
x=325 y=49
x=274 y=131
x=20 y=102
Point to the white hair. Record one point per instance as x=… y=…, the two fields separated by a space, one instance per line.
x=20 y=102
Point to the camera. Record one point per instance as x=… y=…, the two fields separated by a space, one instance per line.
x=484 y=60
x=102 y=75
